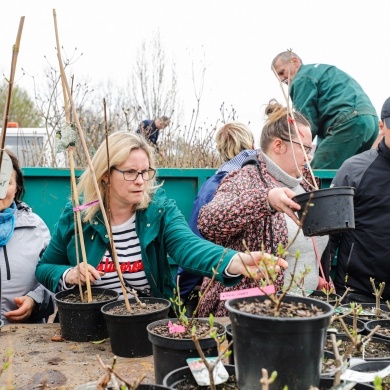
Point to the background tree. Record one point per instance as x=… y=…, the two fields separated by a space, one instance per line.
x=22 y=108
x=153 y=82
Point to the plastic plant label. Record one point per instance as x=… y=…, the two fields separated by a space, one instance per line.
x=5 y=174
x=175 y=328
x=248 y=292
x=357 y=376
x=201 y=375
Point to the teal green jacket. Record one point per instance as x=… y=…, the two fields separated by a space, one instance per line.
x=327 y=96
x=162 y=231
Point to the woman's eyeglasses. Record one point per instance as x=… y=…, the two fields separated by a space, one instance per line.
x=308 y=149
x=132 y=174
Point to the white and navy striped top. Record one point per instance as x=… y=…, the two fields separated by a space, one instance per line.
x=130 y=259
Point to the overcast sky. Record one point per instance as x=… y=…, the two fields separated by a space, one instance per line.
x=235 y=40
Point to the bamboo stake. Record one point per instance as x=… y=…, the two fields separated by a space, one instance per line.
x=85 y=148
x=15 y=52
x=72 y=174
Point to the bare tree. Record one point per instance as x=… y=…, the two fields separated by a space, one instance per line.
x=153 y=82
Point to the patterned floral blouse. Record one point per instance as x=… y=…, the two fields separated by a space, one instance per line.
x=240 y=212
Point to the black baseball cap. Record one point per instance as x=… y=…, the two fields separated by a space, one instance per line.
x=385 y=113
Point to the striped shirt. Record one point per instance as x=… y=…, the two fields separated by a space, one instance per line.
x=130 y=259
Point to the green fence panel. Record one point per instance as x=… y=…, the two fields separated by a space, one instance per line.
x=49 y=189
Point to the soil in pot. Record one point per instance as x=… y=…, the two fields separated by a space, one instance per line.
x=368 y=313
x=321 y=296
x=336 y=326
x=142 y=386
x=170 y=350
x=375 y=349
x=384 y=330
x=127 y=330
x=182 y=379
x=330 y=211
x=293 y=340
x=83 y=321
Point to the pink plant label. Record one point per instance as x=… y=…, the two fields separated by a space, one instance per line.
x=249 y=292
x=174 y=328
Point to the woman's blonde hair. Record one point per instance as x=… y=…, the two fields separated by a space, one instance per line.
x=277 y=125
x=233 y=138
x=120 y=145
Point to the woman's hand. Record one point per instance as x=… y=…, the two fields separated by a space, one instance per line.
x=280 y=199
x=72 y=277
x=248 y=264
x=25 y=308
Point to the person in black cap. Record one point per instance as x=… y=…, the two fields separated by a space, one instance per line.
x=363 y=252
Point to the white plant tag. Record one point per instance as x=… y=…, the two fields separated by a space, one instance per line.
x=5 y=174
x=201 y=375
x=351 y=375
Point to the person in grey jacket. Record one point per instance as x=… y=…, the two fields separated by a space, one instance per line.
x=23 y=238
x=363 y=252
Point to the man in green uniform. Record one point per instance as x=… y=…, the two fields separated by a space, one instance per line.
x=341 y=114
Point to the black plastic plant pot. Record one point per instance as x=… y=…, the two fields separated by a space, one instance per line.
x=327 y=383
x=320 y=295
x=128 y=334
x=171 y=353
x=384 y=326
x=368 y=313
x=179 y=376
x=83 y=321
x=328 y=211
x=291 y=346
x=380 y=351
x=349 y=323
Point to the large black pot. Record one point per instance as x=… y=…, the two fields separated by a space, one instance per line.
x=291 y=346
x=384 y=346
x=128 y=335
x=83 y=321
x=384 y=324
x=328 y=211
x=180 y=375
x=171 y=353
x=367 y=307
x=327 y=383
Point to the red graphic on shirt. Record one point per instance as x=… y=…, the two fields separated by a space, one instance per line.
x=107 y=265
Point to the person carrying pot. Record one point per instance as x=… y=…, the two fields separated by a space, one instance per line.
x=146 y=228
x=23 y=238
x=254 y=205
x=363 y=252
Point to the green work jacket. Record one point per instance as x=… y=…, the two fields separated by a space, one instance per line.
x=327 y=96
x=162 y=231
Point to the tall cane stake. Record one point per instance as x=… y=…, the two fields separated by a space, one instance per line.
x=70 y=149
x=101 y=204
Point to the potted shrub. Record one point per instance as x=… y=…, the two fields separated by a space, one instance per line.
x=173 y=339
x=127 y=330
x=83 y=320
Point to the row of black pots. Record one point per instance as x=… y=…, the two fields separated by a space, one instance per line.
x=129 y=334
x=183 y=375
